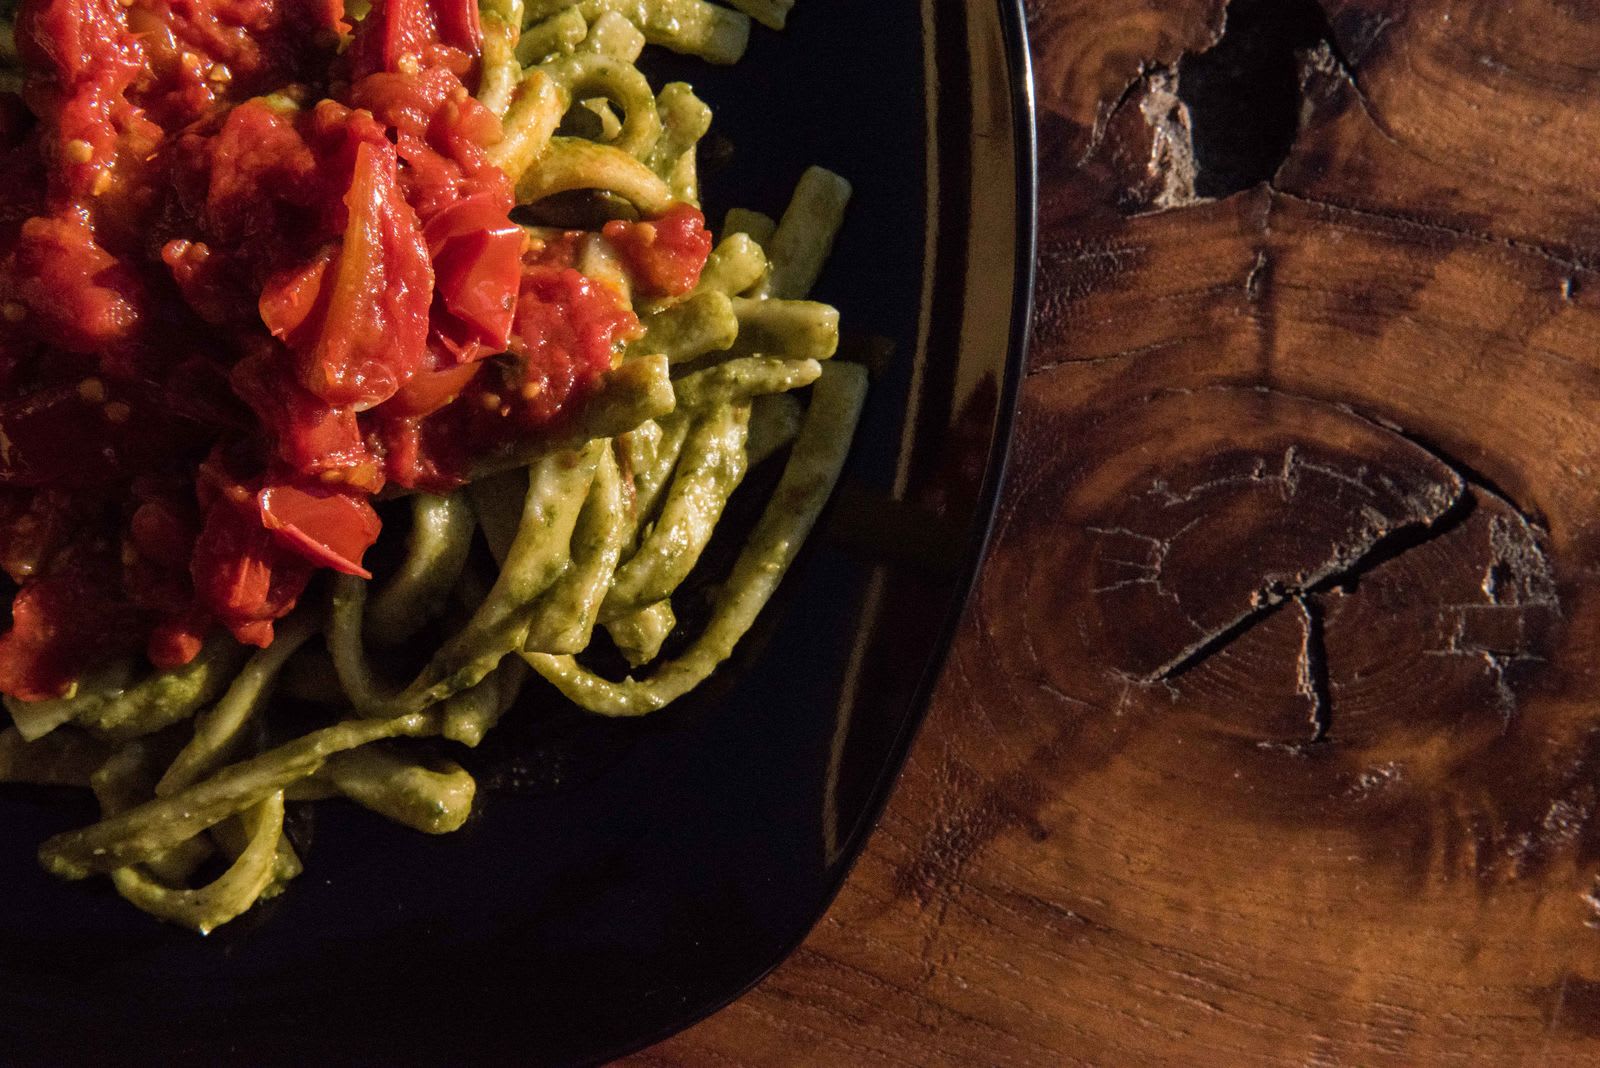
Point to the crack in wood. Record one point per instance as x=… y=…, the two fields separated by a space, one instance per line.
x=1148 y=571
x=1402 y=539
x=1274 y=594
x=1327 y=62
x=1312 y=672
x=1260 y=274
x=1424 y=224
x=1516 y=579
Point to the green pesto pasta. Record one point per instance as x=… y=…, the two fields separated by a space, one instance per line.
x=490 y=604
x=436 y=551
x=742 y=379
x=557 y=35
x=590 y=75
x=808 y=479
x=804 y=237
x=695 y=327
x=795 y=329
x=565 y=615
x=695 y=27
x=613 y=35
x=430 y=800
x=735 y=266
x=710 y=468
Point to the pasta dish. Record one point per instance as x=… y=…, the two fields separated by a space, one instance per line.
x=364 y=367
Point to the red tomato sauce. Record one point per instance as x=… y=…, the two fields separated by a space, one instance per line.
x=248 y=279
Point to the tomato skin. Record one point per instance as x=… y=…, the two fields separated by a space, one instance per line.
x=332 y=530
x=478 y=273
x=429 y=391
x=459 y=24
x=293 y=295
x=357 y=318
x=241 y=576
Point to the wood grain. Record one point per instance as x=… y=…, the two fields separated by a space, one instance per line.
x=1272 y=736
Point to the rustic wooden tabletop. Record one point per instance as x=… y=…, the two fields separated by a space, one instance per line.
x=1272 y=735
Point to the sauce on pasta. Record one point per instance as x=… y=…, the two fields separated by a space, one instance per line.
x=264 y=281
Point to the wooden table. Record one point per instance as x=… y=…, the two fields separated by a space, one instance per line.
x=1273 y=732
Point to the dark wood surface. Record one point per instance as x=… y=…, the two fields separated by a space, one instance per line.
x=1272 y=736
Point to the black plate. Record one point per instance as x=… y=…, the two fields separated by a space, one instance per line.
x=624 y=879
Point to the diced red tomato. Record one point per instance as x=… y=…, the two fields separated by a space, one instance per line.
x=415 y=463
x=567 y=332
x=208 y=284
x=401 y=33
x=666 y=255
x=176 y=642
x=332 y=530
x=477 y=265
x=458 y=24
x=290 y=296
x=258 y=169
x=428 y=391
x=364 y=332
x=60 y=626
x=313 y=438
x=83 y=298
x=241 y=576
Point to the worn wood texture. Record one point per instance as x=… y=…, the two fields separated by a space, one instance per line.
x=1272 y=736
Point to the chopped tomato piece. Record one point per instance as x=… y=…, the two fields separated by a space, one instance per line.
x=60 y=625
x=292 y=295
x=175 y=643
x=428 y=391
x=312 y=437
x=241 y=575
x=478 y=276
x=366 y=331
x=79 y=293
x=567 y=332
x=459 y=24
x=401 y=33
x=667 y=254
x=329 y=529
x=246 y=280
